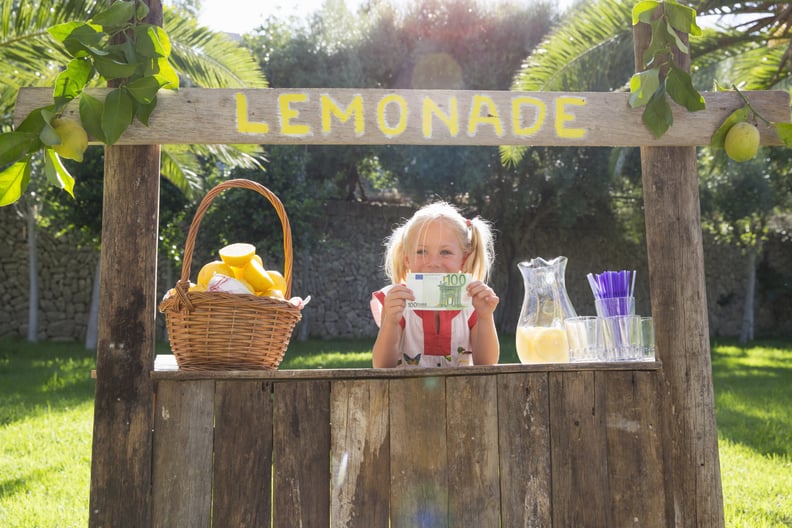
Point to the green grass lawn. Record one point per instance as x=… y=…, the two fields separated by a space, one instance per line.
x=46 y=415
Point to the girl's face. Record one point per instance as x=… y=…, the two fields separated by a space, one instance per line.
x=436 y=249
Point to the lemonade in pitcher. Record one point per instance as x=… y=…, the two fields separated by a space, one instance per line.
x=542 y=344
x=540 y=335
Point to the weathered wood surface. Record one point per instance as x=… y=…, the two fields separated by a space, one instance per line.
x=120 y=463
x=242 y=454
x=679 y=303
x=420 y=117
x=360 y=454
x=167 y=369
x=301 y=450
x=572 y=448
x=182 y=456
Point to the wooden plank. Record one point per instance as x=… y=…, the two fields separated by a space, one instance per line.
x=242 y=491
x=360 y=445
x=301 y=452
x=472 y=439
x=391 y=373
x=182 y=460
x=420 y=117
x=524 y=442
x=419 y=467
x=578 y=451
x=126 y=336
x=635 y=458
x=675 y=254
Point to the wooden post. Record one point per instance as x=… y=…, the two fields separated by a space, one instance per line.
x=122 y=441
x=679 y=306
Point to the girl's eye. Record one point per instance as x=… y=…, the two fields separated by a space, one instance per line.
x=420 y=252
x=446 y=252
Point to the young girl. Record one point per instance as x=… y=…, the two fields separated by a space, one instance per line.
x=437 y=239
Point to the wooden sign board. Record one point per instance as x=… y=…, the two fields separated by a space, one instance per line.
x=420 y=117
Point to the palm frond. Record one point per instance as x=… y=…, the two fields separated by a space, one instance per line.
x=581 y=53
x=208 y=58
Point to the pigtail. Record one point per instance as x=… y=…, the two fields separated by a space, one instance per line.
x=481 y=247
x=394 y=256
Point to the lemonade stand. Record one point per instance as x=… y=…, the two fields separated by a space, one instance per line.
x=553 y=444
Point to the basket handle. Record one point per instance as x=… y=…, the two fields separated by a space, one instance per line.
x=189 y=246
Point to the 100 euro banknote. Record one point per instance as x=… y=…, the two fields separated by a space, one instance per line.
x=439 y=291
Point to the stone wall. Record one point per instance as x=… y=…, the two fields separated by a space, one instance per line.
x=341 y=270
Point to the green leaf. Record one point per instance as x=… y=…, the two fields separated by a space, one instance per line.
x=145 y=89
x=165 y=71
x=679 y=86
x=71 y=81
x=143 y=111
x=784 y=131
x=152 y=41
x=642 y=11
x=61 y=32
x=13 y=182
x=142 y=11
x=118 y=14
x=113 y=69
x=14 y=146
x=117 y=114
x=681 y=46
x=658 y=45
x=739 y=115
x=681 y=18
x=91 y=110
x=643 y=85
x=48 y=136
x=56 y=173
x=85 y=40
x=657 y=115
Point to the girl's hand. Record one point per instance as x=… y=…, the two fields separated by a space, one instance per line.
x=484 y=299
x=394 y=304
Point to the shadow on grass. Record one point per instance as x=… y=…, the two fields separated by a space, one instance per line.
x=753 y=388
x=37 y=378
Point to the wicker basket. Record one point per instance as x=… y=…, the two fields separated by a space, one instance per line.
x=227 y=331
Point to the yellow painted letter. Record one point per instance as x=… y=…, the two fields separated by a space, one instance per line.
x=288 y=114
x=243 y=125
x=330 y=108
x=491 y=115
x=562 y=117
x=541 y=111
x=451 y=120
x=385 y=128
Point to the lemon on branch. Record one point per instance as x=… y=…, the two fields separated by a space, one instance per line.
x=74 y=139
x=742 y=141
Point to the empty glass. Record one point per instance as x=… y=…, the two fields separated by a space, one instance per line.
x=623 y=337
x=647 y=339
x=586 y=340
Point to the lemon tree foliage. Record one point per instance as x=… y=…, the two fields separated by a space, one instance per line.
x=738 y=133
x=115 y=45
x=662 y=78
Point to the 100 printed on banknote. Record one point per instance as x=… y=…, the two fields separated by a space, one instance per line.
x=439 y=291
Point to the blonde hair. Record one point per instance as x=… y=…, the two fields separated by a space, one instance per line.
x=474 y=235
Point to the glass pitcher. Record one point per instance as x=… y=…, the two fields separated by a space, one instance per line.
x=541 y=337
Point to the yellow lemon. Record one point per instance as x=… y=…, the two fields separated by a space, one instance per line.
x=208 y=271
x=74 y=139
x=552 y=345
x=238 y=254
x=742 y=141
x=278 y=280
x=276 y=293
x=257 y=276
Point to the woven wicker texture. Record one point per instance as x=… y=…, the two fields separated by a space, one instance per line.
x=227 y=331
